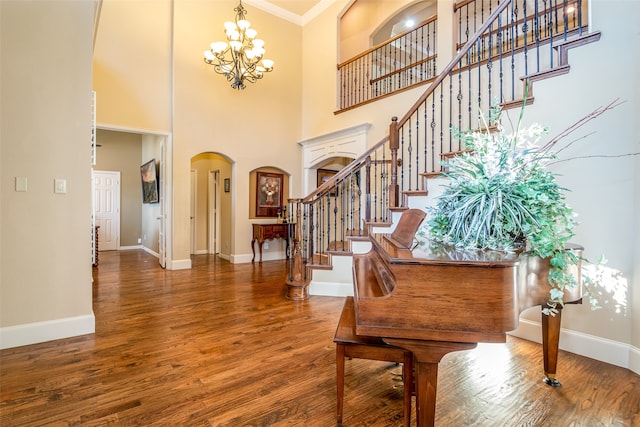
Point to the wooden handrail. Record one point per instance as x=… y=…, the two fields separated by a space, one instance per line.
x=388 y=41
x=528 y=18
x=345 y=172
x=444 y=73
x=403 y=69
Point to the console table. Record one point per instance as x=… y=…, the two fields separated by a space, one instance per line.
x=262 y=232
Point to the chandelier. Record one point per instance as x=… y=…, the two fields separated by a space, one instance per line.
x=239 y=59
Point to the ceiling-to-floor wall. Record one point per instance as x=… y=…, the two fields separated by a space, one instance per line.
x=604 y=192
x=41 y=135
x=45 y=257
x=257 y=127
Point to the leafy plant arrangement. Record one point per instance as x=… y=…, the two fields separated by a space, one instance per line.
x=502 y=197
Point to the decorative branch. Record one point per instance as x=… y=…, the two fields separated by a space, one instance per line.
x=594 y=114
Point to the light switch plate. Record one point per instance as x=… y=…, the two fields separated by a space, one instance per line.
x=60 y=186
x=21 y=183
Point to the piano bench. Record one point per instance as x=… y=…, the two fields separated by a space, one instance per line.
x=348 y=344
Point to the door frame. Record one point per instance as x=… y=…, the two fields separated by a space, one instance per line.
x=213 y=211
x=165 y=232
x=193 y=211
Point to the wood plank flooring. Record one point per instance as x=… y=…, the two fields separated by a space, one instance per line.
x=219 y=345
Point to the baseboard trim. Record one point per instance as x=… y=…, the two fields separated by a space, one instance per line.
x=130 y=248
x=331 y=289
x=266 y=256
x=37 y=332
x=240 y=259
x=179 y=264
x=605 y=350
x=149 y=251
x=634 y=360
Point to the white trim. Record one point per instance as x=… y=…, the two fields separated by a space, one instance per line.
x=130 y=248
x=104 y=126
x=37 y=332
x=634 y=359
x=331 y=289
x=603 y=349
x=150 y=251
x=350 y=142
x=241 y=258
x=178 y=264
x=285 y=14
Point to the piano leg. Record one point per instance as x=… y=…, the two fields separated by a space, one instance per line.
x=427 y=355
x=550 y=345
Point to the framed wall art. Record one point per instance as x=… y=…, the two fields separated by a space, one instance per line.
x=269 y=189
x=323 y=176
x=149 y=177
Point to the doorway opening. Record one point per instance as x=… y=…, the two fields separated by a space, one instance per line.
x=212 y=193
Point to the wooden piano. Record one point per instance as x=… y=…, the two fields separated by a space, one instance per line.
x=433 y=302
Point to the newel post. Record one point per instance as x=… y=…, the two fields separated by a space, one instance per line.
x=296 y=286
x=394 y=136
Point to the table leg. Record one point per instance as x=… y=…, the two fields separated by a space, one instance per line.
x=550 y=344
x=253 y=249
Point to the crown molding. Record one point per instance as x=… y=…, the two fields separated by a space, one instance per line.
x=300 y=20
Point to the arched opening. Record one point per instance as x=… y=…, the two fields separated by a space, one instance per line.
x=366 y=23
x=211 y=204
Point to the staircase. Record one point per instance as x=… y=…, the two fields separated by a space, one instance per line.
x=505 y=47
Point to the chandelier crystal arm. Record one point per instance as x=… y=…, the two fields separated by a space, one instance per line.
x=240 y=58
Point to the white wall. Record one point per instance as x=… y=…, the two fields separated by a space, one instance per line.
x=604 y=192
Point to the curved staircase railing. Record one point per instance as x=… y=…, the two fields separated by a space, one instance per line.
x=515 y=43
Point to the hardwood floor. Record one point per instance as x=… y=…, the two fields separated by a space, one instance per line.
x=219 y=345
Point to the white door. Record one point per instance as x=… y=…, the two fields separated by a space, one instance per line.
x=194 y=199
x=107 y=209
x=214 y=216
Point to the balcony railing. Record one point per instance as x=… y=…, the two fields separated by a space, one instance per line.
x=400 y=63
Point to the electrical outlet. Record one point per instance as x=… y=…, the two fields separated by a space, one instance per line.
x=139 y=240
x=266 y=245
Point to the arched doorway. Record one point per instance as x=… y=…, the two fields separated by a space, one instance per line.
x=211 y=204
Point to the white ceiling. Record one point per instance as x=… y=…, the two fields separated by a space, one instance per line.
x=297 y=11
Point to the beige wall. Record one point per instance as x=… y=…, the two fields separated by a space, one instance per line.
x=359 y=23
x=44 y=126
x=256 y=127
x=132 y=64
x=45 y=263
x=121 y=151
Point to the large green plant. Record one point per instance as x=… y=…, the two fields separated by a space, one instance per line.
x=502 y=197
